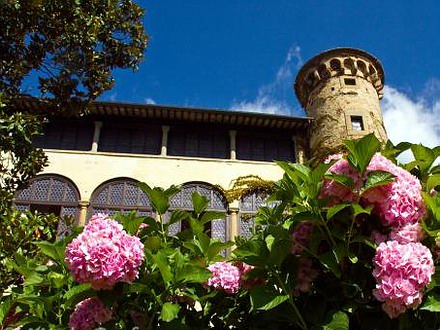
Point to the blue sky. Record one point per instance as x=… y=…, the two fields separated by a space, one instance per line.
x=244 y=55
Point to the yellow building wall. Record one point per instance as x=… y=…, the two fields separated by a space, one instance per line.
x=90 y=169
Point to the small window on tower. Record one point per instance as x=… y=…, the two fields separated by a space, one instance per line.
x=350 y=81
x=357 y=124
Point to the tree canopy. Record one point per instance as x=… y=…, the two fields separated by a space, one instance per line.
x=64 y=53
x=67 y=49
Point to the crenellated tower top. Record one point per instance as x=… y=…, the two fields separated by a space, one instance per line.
x=341 y=88
x=338 y=62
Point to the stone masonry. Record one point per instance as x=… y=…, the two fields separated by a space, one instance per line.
x=341 y=89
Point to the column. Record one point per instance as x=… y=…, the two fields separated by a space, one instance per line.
x=163 y=149
x=233 y=144
x=299 y=149
x=96 y=134
x=234 y=219
x=83 y=206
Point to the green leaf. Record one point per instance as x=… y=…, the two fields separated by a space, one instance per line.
x=358 y=209
x=5 y=306
x=433 y=181
x=153 y=243
x=34 y=278
x=353 y=257
x=249 y=248
x=280 y=249
x=78 y=293
x=269 y=241
x=215 y=248
x=342 y=179
x=193 y=273
x=211 y=215
x=266 y=297
x=178 y=216
x=377 y=178
x=53 y=250
x=131 y=222
x=435 y=169
x=332 y=211
x=137 y=288
x=424 y=156
x=432 y=303
x=200 y=203
x=365 y=240
x=169 y=311
x=162 y=262
x=334 y=321
x=57 y=280
x=329 y=260
x=157 y=196
x=361 y=151
x=433 y=203
x=172 y=190
x=31 y=320
x=294 y=171
x=203 y=242
x=340 y=251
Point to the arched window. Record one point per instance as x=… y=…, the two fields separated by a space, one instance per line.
x=217 y=202
x=119 y=195
x=50 y=194
x=249 y=205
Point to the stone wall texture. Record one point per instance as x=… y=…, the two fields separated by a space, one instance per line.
x=341 y=89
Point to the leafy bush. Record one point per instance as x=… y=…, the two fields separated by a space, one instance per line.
x=351 y=243
x=19 y=231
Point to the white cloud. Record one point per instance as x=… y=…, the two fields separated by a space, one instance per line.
x=408 y=120
x=263 y=103
x=273 y=97
x=149 y=101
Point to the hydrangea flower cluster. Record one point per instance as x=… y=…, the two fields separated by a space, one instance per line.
x=225 y=277
x=402 y=265
x=301 y=236
x=333 y=190
x=246 y=281
x=400 y=202
x=306 y=274
x=397 y=203
x=88 y=314
x=402 y=271
x=229 y=277
x=104 y=254
x=408 y=233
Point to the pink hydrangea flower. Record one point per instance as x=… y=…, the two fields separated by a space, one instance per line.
x=411 y=232
x=248 y=282
x=378 y=237
x=402 y=271
x=88 y=314
x=335 y=191
x=300 y=236
x=225 y=277
x=306 y=274
x=243 y=267
x=399 y=202
x=104 y=254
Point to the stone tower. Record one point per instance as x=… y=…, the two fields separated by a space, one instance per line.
x=341 y=89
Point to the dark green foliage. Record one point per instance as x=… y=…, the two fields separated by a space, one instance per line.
x=170 y=291
x=19 y=233
x=71 y=48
